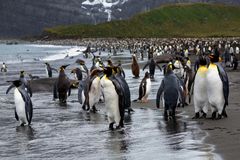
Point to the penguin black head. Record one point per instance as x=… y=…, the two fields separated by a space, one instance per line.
x=80 y=61
x=22 y=73
x=110 y=63
x=17 y=83
x=202 y=60
x=147 y=75
x=108 y=71
x=63 y=67
x=168 y=68
x=214 y=58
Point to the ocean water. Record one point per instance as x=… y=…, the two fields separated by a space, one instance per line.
x=68 y=132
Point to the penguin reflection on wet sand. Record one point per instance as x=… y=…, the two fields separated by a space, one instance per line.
x=135 y=67
x=152 y=65
x=114 y=99
x=170 y=88
x=144 y=89
x=200 y=97
x=49 y=70
x=23 y=103
x=62 y=86
x=217 y=87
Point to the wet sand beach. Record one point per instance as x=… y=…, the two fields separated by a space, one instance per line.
x=224 y=134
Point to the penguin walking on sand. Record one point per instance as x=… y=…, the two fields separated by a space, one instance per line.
x=25 y=83
x=152 y=65
x=94 y=90
x=23 y=103
x=170 y=88
x=217 y=87
x=114 y=99
x=144 y=88
x=62 y=86
x=200 y=97
x=49 y=70
x=135 y=67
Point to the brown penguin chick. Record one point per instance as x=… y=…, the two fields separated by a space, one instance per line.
x=135 y=67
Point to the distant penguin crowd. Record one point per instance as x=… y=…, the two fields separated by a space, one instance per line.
x=205 y=81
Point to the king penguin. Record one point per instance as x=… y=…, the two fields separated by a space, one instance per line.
x=217 y=87
x=23 y=103
x=49 y=70
x=62 y=86
x=200 y=97
x=93 y=90
x=114 y=99
x=135 y=67
x=170 y=88
x=152 y=65
x=144 y=88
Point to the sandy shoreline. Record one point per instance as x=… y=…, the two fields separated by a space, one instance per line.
x=224 y=133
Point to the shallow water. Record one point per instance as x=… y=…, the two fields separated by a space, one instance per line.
x=67 y=132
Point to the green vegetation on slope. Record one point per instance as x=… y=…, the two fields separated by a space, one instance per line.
x=182 y=20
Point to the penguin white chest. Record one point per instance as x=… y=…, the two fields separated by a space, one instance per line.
x=46 y=69
x=94 y=93
x=214 y=86
x=20 y=106
x=111 y=99
x=148 y=88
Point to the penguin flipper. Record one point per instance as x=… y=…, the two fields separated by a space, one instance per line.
x=54 y=69
x=9 y=88
x=16 y=116
x=159 y=93
x=146 y=65
x=158 y=67
x=225 y=81
x=28 y=105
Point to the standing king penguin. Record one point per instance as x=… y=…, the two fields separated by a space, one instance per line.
x=217 y=87
x=49 y=70
x=23 y=103
x=144 y=88
x=200 y=97
x=114 y=99
x=93 y=90
x=62 y=86
x=170 y=88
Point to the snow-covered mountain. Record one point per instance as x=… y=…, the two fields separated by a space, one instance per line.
x=30 y=17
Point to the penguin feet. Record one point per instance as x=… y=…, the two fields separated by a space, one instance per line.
x=219 y=117
x=214 y=114
x=94 y=109
x=224 y=113
x=130 y=110
x=111 y=126
x=204 y=115
x=197 y=115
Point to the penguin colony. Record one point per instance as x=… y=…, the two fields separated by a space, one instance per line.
x=209 y=87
